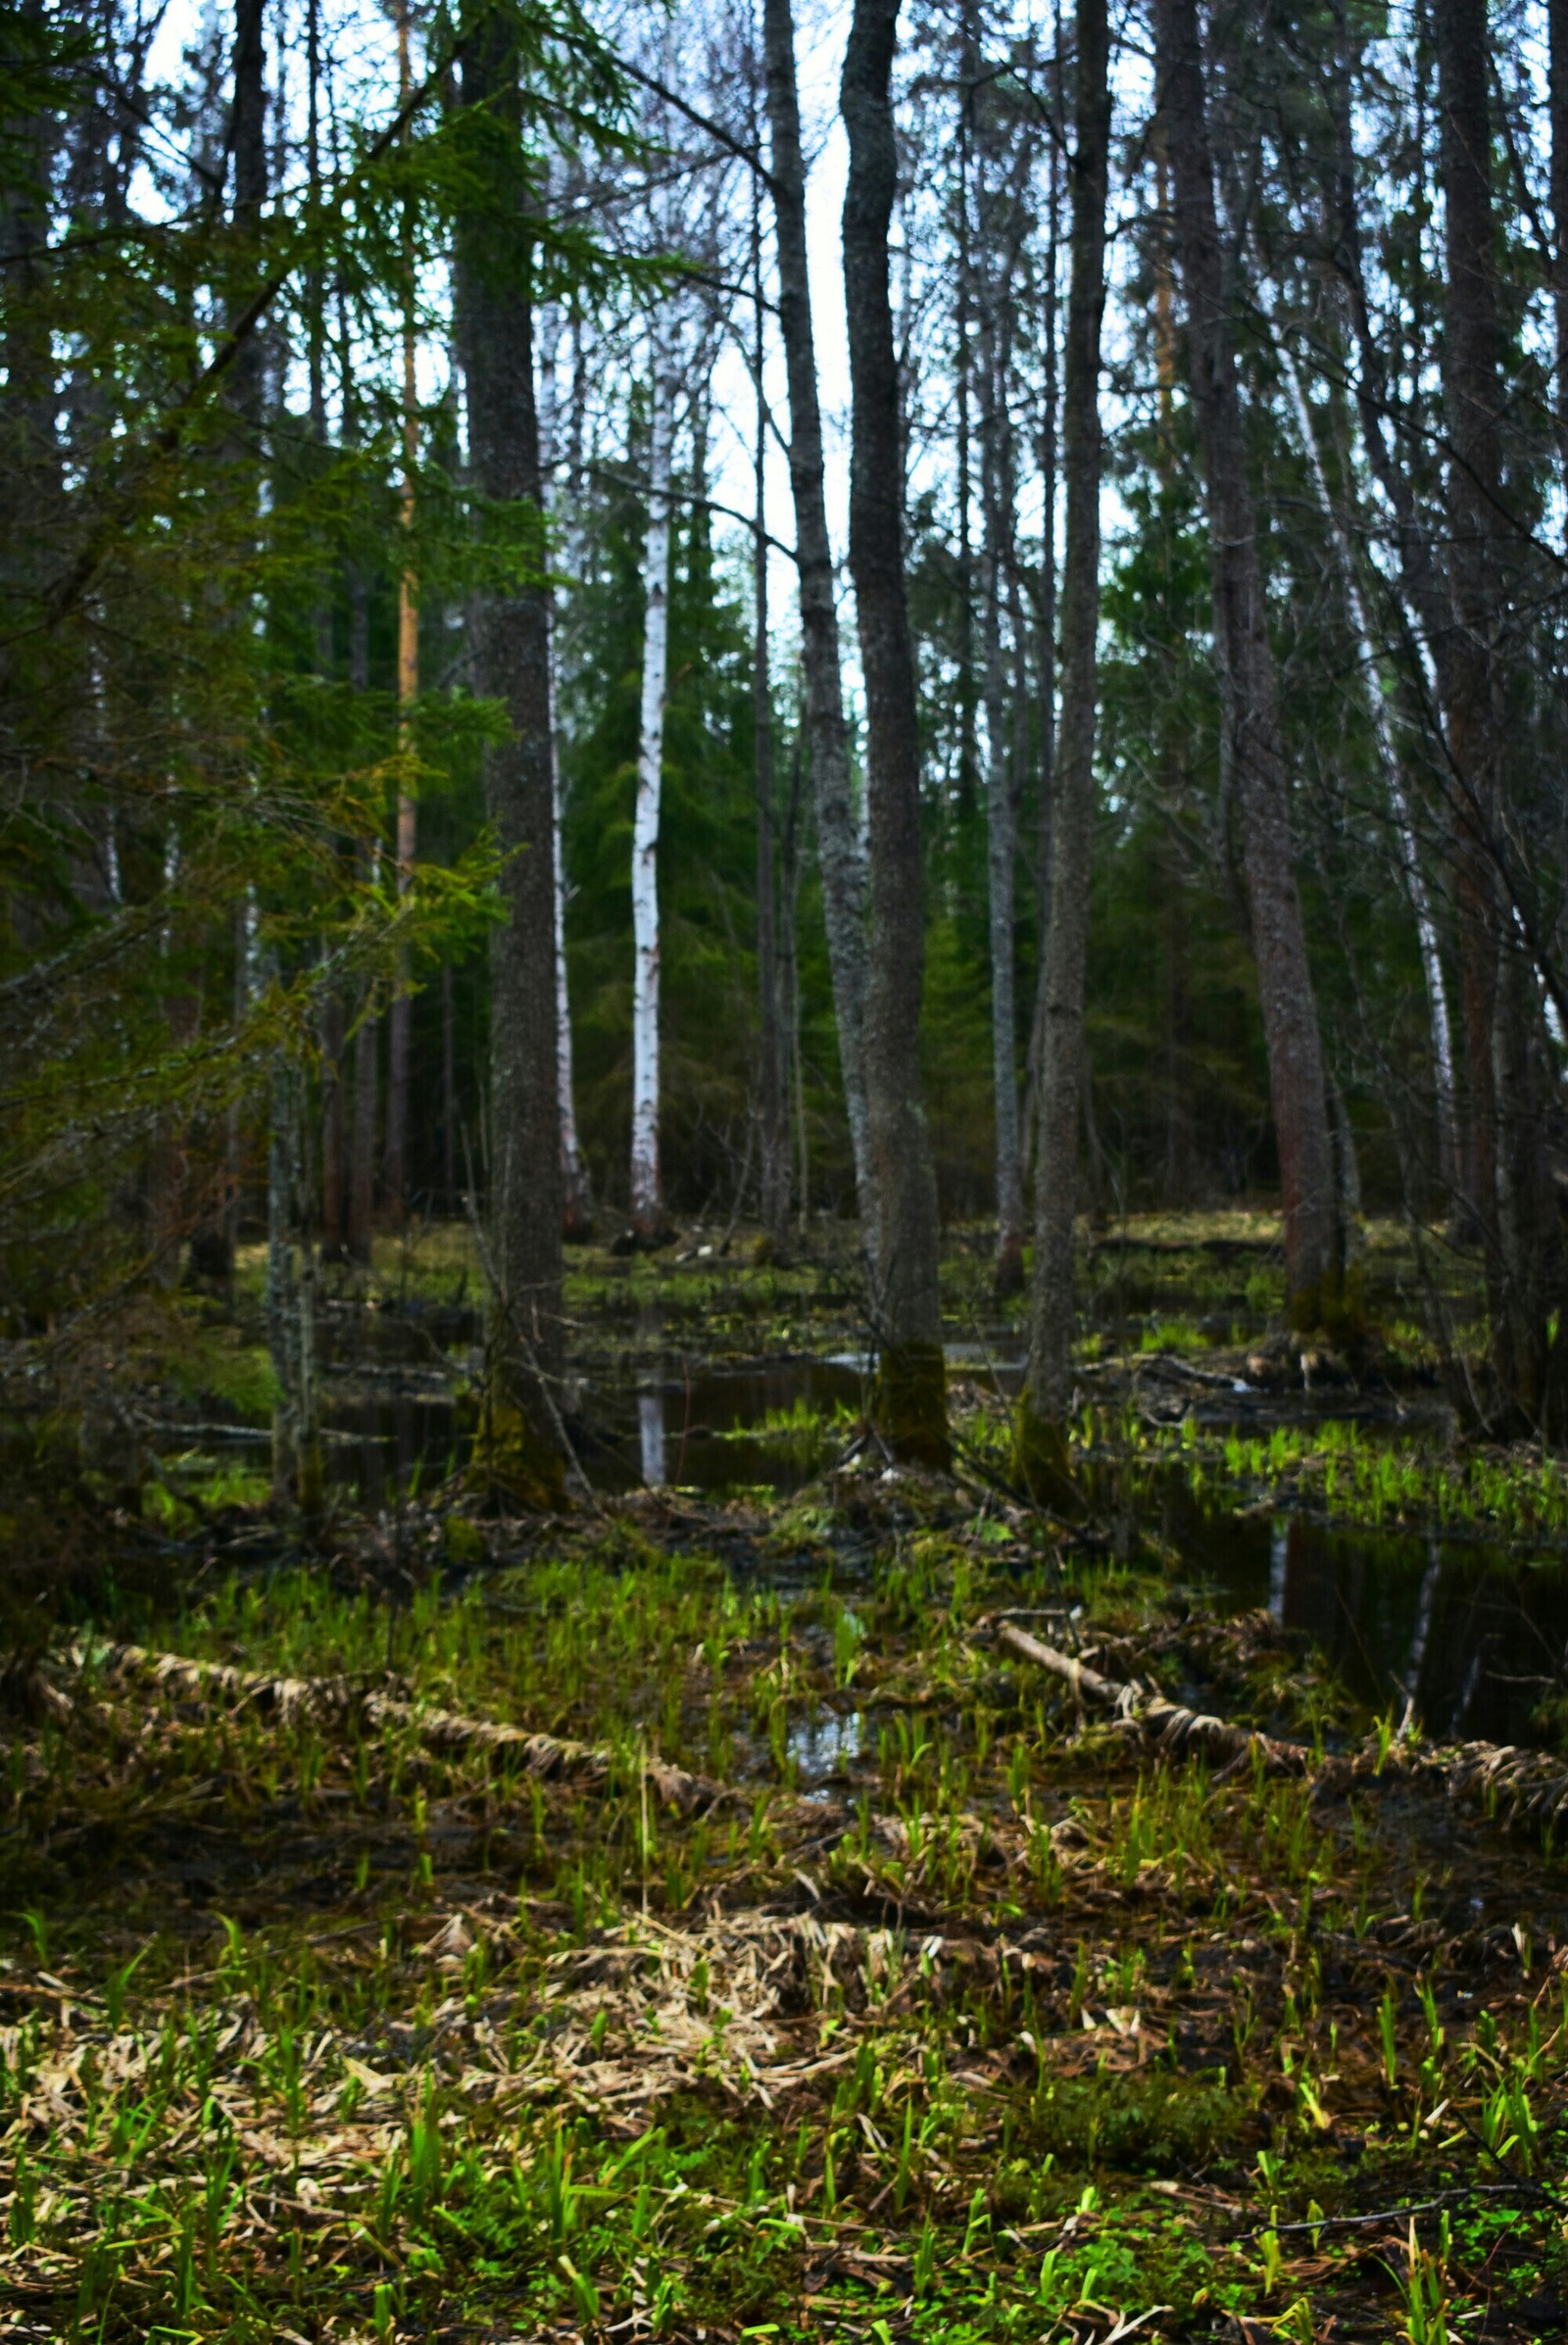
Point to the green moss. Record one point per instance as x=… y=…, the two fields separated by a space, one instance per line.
x=1042 y=1462
x=513 y=1461
x=464 y=1540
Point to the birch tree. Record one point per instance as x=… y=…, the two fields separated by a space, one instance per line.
x=648 y=1218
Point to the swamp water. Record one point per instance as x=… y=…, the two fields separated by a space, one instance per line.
x=1470 y=1637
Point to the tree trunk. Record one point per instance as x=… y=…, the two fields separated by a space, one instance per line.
x=400 y=1020
x=291 y=1282
x=1047 y=455
x=1510 y=1188
x=789 y=980
x=1249 y=700
x=334 y=1128
x=522 y=1440
x=358 y=1233
x=1041 y=1445
x=449 y=1092
x=577 y=1225
x=1471 y=350
x=247 y=143
x=838 y=847
x=911 y=1397
x=646 y=1192
x=995 y=492
x=1393 y=780
x=963 y=499
x=1558 y=34
x=773 y=1154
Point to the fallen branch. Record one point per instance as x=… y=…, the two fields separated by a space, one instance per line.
x=546 y=1756
x=1168 y=1726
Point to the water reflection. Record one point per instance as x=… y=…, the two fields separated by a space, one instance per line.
x=1473 y=1640
x=651 y=1399
x=823 y=1744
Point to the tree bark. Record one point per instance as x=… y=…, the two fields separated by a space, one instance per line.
x=1507 y=1093
x=1047 y=456
x=361 y=1205
x=578 y=1223
x=1471 y=350
x=1558 y=84
x=399 y=1018
x=247 y=143
x=911 y=1396
x=522 y=1442
x=291 y=1299
x=1042 y=1447
x=449 y=1092
x=838 y=847
x=1399 y=791
x=1314 y=1266
x=647 y=1189
x=995 y=492
x=578 y=1207
x=334 y=1128
x=772 y=1105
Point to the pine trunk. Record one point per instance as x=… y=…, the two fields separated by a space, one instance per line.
x=912 y=1400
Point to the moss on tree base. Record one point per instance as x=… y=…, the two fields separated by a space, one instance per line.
x=1041 y=1463
x=511 y=1456
x=912 y=1405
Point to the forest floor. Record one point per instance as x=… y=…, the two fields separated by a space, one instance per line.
x=707 y=1916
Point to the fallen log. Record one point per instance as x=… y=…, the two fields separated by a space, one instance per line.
x=1512 y=1783
x=548 y=1756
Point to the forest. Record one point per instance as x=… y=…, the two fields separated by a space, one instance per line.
x=784 y=1172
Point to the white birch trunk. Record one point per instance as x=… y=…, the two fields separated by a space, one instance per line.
x=647 y=1200
x=574 y=1177
x=574 y=1172
x=1398 y=798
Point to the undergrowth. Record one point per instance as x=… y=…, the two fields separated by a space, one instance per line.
x=934 y=2013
